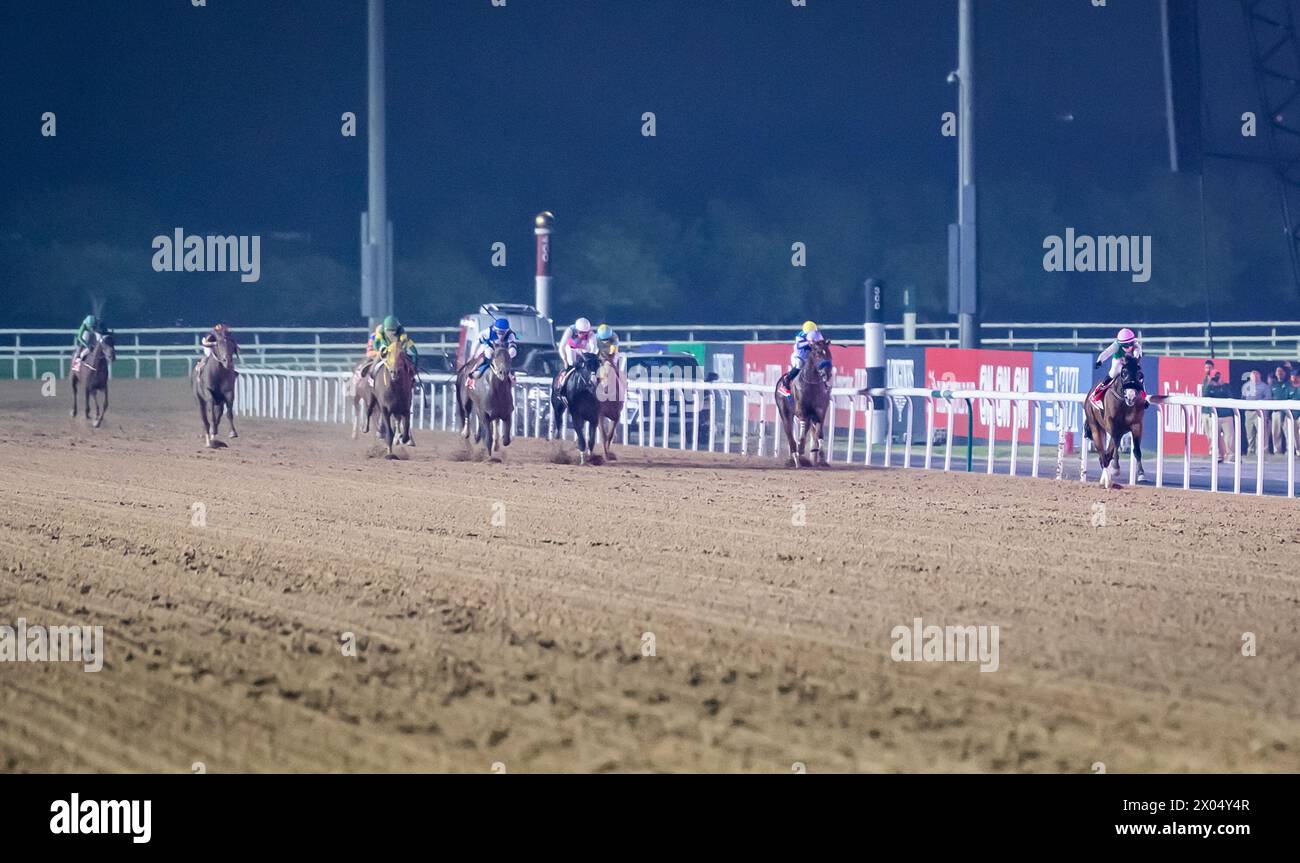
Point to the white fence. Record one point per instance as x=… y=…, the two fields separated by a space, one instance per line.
x=166 y=351
x=741 y=418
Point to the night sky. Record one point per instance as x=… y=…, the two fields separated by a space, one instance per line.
x=776 y=124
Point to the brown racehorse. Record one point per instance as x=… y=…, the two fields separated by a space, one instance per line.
x=1122 y=412
x=810 y=396
x=491 y=400
x=393 y=388
x=611 y=392
x=91 y=376
x=363 y=399
x=214 y=388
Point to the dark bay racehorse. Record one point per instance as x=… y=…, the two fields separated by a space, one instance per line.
x=214 y=388
x=810 y=396
x=394 y=384
x=1122 y=411
x=91 y=375
x=490 y=400
x=580 y=401
x=611 y=391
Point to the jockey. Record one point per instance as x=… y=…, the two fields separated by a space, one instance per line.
x=499 y=336
x=1124 y=345
x=87 y=336
x=209 y=342
x=576 y=340
x=802 y=344
x=606 y=339
x=390 y=332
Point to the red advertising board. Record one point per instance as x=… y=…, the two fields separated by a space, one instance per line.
x=999 y=371
x=1183 y=375
x=766 y=362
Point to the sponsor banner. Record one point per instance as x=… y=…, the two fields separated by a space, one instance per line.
x=905 y=367
x=1062 y=373
x=1181 y=375
x=764 y=363
x=726 y=361
x=980 y=369
x=696 y=349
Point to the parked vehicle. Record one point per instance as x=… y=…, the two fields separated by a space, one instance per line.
x=665 y=366
x=534 y=333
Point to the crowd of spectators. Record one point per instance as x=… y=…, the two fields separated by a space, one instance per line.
x=1268 y=436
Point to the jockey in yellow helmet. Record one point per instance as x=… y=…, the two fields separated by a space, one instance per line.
x=802 y=344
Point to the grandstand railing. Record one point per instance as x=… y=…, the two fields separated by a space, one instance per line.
x=741 y=418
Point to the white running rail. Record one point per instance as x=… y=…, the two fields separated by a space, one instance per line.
x=741 y=418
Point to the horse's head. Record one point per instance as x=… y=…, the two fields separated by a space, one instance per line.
x=501 y=363
x=1131 y=380
x=221 y=348
x=819 y=359
x=107 y=347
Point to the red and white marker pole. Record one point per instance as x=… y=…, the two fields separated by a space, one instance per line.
x=542 y=228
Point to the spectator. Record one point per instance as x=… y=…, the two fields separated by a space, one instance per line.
x=1217 y=389
x=1207 y=414
x=1293 y=394
x=1254 y=389
x=1278 y=389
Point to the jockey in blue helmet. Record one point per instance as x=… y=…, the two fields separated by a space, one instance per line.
x=497 y=337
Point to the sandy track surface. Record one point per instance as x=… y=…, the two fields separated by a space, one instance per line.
x=520 y=639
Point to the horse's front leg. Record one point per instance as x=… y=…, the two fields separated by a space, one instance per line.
x=85 y=393
x=1137 y=453
x=507 y=424
x=207 y=423
x=230 y=413
x=100 y=407
x=73 y=380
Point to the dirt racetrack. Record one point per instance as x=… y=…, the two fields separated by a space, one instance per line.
x=519 y=639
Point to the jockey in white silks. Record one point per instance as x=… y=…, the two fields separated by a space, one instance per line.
x=1124 y=345
x=577 y=339
x=498 y=337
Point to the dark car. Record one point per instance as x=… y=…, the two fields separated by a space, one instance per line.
x=666 y=366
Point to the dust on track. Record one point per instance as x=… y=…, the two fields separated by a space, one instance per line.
x=520 y=641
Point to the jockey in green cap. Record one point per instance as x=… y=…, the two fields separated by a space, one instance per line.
x=87 y=336
x=390 y=331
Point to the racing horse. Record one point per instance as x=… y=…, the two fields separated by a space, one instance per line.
x=491 y=400
x=810 y=396
x=611 y=391
x=578 y=397
x=390 y=393
x=1122 y=412
x=214 y=388
x=91 y=374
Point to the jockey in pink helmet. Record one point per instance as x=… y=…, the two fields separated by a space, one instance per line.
x=1125 y=345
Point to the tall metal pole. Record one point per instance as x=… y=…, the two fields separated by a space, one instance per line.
x=542 y=226
x=378 y=190
x=967 y=321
